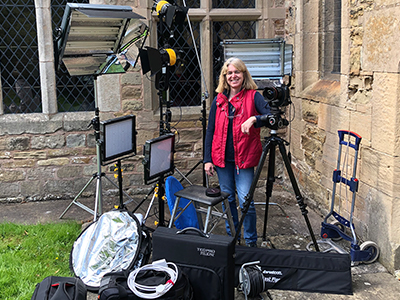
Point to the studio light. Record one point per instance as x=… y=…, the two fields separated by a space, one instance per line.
x=155 y=59
x=170 y=13
x=264 y=58
x=90 y=37
x=158 y=157
x=117 y=138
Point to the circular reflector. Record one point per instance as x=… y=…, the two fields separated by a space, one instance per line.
x=110 y=244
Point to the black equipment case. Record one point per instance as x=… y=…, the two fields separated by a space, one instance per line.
x=305 y=271
x=60 y=288
x=114 y=286
x=207 y=259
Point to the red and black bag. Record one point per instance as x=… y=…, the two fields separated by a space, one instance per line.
x=60 y=288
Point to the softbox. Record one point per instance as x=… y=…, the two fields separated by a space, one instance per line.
x=115 y=242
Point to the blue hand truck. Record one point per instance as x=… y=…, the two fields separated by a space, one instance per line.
x=367 y=252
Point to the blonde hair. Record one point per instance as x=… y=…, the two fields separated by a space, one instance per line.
x=248 y=82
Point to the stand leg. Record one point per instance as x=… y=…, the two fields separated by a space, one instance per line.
x=161 y=193
x=75 y=201
x=121 y=198
x=153 y=189
x=296 y=189
x=252 y=189
x=268 y=190
x=97 y=204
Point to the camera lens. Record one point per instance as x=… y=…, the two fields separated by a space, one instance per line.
x=270 y=93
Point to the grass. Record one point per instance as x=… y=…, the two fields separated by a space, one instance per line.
x=29 y=253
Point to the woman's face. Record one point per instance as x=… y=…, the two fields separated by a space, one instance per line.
x=234 y=77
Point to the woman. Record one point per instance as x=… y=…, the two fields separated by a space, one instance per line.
x=233 y=143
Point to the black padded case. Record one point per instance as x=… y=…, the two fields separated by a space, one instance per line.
x=305 y=271
x=208 y=260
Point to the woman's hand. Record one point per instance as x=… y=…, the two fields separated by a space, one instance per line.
x=209 y=168
x=247 y=124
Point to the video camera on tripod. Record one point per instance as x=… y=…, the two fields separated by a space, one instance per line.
x=277 y=96
x=269 y=61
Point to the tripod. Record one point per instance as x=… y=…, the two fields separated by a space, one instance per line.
x=270 y=145
x=98 y=202
x=95 y=123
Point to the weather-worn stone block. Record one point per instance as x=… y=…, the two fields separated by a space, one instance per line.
x=69 y=172
x=76 y=140
x=18 y=143
x=11 y=175
x=381 y=41
x=54 y=162
x=47 y=141
x=30 y=155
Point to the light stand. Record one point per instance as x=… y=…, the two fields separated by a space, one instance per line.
x=101 y=157
x=95 y=123
x=159 y=62
x=89 y=42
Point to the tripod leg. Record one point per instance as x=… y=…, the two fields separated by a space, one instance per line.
x=296 y=189
x=268 y=191
x=252 y=189
x=161 y=194
x=98 y=203
x=75 y=201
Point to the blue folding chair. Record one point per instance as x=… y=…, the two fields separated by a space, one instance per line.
x=189 y=216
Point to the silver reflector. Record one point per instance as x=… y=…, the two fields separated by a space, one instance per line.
x=110 y=244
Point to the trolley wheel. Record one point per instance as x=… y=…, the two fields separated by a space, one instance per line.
x=341 y=227
x=369 y=245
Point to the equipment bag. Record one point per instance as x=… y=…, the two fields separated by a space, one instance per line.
x=295 y=270
x=114 y=286
x=207 y=259
x=60 y=288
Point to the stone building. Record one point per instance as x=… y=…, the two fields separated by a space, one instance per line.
x=346 y=76
x=360 y=93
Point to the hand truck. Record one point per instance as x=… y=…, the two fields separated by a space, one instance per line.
x=367 y=252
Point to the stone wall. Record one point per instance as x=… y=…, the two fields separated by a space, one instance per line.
x=44 y=157
x=52 y=157
x=365 y=100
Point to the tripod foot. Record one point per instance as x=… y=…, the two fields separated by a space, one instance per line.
x=267 y=244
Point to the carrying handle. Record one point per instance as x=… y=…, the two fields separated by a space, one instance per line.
x=193 y=229
x=353 y=134
x=61 y=292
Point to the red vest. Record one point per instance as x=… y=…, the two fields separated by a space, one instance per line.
x=247 y=147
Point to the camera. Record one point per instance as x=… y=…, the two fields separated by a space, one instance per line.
x=277 y=96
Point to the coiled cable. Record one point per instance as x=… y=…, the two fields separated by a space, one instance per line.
x=153 y=292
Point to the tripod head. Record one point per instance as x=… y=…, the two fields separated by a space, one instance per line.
x=274 y=120
x=277 y=95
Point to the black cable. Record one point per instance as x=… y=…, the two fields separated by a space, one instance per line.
x=255 y=281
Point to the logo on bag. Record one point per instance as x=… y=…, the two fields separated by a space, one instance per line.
x=272 y=276
x=206 y=252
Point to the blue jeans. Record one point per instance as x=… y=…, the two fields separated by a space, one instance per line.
x=232 y=180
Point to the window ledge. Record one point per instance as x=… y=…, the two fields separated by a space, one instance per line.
x=323 y=91
x=38 y=123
